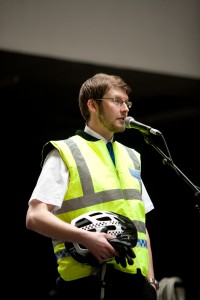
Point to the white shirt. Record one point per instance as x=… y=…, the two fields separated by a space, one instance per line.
x=53 y=180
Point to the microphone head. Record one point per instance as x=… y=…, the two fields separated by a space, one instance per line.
x=128 y=122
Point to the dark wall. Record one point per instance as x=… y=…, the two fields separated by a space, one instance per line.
x=39 y=102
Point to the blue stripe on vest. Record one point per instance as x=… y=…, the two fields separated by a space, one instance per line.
x=63 y=253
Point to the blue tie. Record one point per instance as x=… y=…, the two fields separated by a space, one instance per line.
x=110 y=149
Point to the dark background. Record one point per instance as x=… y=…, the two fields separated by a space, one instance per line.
x=39 y=98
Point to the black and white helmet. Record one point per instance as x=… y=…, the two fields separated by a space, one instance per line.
x=102 y=221
x=99 y=221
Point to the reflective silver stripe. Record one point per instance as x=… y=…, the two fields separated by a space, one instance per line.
x=97 y=198
x=85 y=176
x=133 y=157
x=140 y=226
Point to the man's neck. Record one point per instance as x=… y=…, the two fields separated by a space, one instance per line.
x=97 y=135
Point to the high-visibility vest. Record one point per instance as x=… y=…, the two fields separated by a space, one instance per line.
x=96 y=184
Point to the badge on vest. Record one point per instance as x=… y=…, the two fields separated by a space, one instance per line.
x=135 y=173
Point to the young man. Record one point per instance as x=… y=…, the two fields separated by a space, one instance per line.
x=78 y=182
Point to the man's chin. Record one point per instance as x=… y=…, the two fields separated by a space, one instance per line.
x=120 y=129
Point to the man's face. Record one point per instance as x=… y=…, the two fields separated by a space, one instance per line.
x=113 y=110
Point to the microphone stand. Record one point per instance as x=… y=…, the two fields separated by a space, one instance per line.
x=168 y=161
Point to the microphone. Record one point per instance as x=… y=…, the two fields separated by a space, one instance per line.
x=132 y=123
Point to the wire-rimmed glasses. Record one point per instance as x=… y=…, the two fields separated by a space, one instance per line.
x=117 y=101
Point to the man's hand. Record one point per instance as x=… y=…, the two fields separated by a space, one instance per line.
x=124 y=249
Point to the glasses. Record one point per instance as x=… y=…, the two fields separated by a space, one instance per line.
x=117 y=101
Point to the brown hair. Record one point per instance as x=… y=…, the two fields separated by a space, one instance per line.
x=96 y=87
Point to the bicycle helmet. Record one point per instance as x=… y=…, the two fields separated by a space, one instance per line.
x=115 y=224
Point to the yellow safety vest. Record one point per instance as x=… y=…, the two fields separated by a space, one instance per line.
x=96 y=184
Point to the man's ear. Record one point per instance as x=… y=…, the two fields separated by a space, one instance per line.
x=92 y=105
